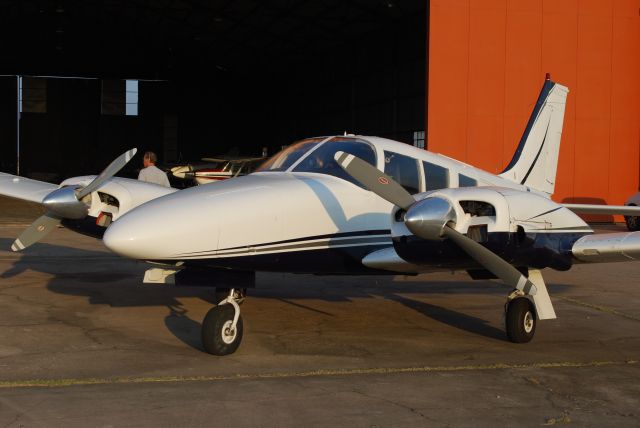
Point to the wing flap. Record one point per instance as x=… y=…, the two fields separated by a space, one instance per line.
x=24 y=188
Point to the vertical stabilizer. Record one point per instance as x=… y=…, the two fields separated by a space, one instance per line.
x=535 y=161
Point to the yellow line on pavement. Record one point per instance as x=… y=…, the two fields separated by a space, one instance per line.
x=53 y=383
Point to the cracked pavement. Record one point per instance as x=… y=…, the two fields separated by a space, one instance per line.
x=84 y=343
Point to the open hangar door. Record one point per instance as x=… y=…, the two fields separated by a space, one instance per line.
x=212 y=78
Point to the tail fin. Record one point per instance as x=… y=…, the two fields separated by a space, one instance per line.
x=535 y=162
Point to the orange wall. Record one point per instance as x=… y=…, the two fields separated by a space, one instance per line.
x=487 y=61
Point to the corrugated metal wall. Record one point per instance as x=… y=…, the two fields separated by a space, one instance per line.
x=487 y=61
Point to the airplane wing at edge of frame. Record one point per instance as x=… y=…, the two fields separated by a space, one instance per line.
x=627 y=210
x=23 y=188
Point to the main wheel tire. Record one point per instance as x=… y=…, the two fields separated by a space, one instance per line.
x=633 y=223
x=520 y=320
x=217 y=337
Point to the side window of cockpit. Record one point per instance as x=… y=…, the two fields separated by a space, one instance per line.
x=464 y=181
x=404 y=170
x=435 y=176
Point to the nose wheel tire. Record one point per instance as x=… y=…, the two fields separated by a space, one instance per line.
x=218 y=335
x=520 y=320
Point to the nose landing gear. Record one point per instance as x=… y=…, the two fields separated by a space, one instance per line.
x=222 y=326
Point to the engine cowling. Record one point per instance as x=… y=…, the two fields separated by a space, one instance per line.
x=524 y=228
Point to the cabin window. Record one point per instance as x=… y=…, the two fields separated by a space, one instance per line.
x=322 y=159
x=404 y=170
x=436 y=177
x=464 y=181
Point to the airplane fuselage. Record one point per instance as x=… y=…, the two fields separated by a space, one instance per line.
x=294 y=220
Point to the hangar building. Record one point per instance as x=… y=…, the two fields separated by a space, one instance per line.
x=487 y=60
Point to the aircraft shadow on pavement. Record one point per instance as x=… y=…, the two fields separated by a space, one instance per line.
x=452 y=318
x=91 y=274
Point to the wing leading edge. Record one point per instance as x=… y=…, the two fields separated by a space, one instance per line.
x=24 y=188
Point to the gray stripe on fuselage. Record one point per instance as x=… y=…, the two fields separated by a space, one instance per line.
x=372 y=240
x=309 y=239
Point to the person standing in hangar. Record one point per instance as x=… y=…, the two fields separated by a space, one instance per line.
x=151 y=173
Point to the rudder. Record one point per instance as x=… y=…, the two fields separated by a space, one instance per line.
x=535 y=162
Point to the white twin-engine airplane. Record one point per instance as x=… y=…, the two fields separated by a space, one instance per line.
x=325 y=206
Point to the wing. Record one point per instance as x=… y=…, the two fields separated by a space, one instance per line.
x=233 y=160
x=604 y=209
x=243 y=160
x=24 y=188
x=214 y=160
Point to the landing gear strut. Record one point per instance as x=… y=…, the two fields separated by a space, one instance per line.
x=222 y=326
x=520 y=318
x=238 y=294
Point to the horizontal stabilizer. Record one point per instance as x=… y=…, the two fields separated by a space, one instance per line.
x=604 y=209
x=24 y=188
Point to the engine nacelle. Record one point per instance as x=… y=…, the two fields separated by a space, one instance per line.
x=524 y=228
x=461 y=208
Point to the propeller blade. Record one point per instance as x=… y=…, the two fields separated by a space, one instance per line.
x=108 y=172
x=491 y=261
x=35 y=232
x=375 y=180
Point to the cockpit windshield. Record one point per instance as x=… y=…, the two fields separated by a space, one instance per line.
x=282 y=160
x=322 y=159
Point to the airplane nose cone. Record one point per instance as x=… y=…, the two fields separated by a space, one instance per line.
x=156 y=231
x=194 y=223
x=129 y=238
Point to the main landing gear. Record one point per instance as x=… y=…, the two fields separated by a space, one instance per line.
x=222 y=326
x=520 y=318
x=522 y=312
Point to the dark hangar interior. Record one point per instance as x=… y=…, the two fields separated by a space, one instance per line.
x=219 y=77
